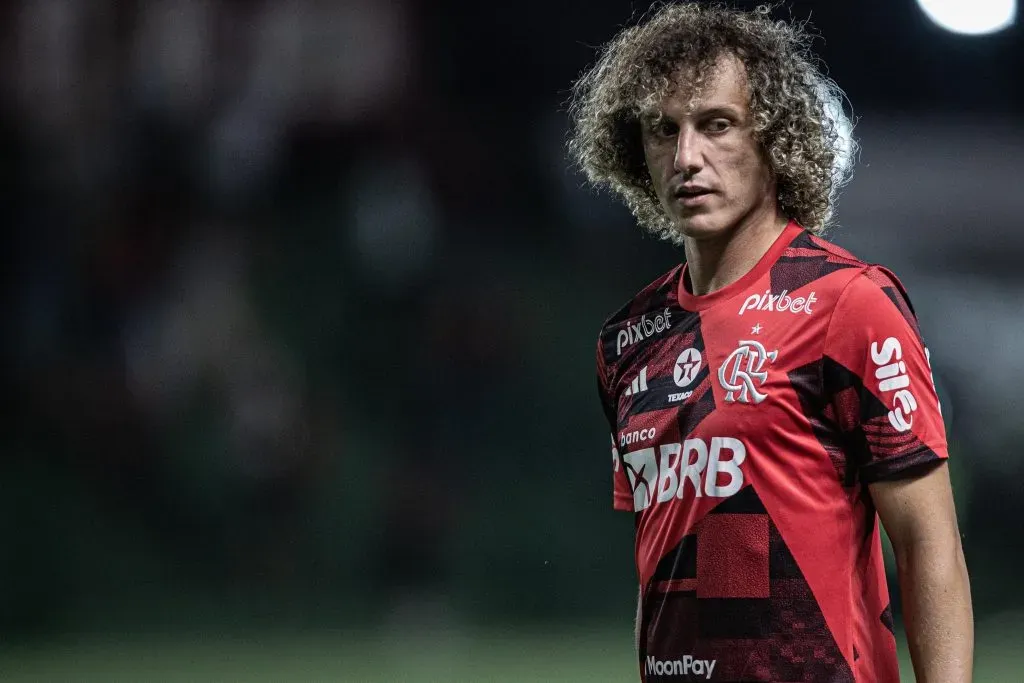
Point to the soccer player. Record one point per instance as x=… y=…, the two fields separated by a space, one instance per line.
x=770 y=399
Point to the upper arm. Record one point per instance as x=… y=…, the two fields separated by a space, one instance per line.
x=918 y=512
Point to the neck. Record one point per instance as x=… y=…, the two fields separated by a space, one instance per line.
x=719 y=261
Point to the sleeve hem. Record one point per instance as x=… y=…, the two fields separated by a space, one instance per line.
x=892 y=468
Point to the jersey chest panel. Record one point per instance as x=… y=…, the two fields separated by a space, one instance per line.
x=722 y=399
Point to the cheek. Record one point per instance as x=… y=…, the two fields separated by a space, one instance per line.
x=748 y=172
x=659 y=165
x=654 y=154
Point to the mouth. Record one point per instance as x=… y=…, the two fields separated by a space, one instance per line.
x=692 y=195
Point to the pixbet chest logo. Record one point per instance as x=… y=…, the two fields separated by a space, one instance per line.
x=891 y=373
x=644 y=328
x=712 y=469
x=779 y=302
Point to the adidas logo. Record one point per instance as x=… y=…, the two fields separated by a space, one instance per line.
x=639 y=383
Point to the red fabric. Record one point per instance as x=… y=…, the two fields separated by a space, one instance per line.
x=756 y=540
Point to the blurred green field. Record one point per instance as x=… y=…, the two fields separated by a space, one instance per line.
x=578 y=655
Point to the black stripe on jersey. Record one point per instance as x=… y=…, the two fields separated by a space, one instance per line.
x=807 y=384
x=837 y=377
x=781 y=563
x=793 y=272
x=794 y=609
x=913 y=463
x=691 y=413
x=659 y=391
x=734 y=618
x=680 y=562
x=904 y=306
x=746 y=502
x=790 y=273
x=870 y=448
x=657 y=294
x=886 y=618
x=656 y=396
x=680 y=320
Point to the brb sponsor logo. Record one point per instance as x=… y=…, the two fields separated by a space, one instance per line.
x=779 y=302
x=644 y=328
x=891 y=373
x=712 y=469
x=686 y=666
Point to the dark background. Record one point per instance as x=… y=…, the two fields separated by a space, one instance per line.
x=301 y=302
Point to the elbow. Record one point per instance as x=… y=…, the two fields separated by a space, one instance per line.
x=932 y=560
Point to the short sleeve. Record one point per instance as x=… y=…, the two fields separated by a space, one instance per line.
x=877 y=379
x=622 y=498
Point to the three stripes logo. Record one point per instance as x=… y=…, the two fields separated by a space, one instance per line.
x=639 y=383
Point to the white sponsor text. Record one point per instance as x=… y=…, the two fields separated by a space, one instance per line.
x=680 y=667
x=892 y=376
x=629 y=438
x=779 y=302
x=711 y=470
x=643 y=328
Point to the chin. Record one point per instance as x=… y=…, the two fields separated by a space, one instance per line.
x=699 y=227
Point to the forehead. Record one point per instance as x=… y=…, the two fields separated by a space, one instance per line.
x=723 y=84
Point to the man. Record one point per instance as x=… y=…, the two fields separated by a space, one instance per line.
x=771 y=398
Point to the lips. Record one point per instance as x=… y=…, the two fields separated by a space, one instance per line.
x=687 y=191
x=692 y=196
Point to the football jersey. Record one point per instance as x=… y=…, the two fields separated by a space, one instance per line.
x=746 y=425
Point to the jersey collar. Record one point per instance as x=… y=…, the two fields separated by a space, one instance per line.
x=691 y=302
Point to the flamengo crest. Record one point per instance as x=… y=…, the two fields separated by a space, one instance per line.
x=741 y=373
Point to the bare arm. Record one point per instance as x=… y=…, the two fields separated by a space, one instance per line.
x=919 y=516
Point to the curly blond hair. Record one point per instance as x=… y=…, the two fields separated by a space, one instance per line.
x=798 y=111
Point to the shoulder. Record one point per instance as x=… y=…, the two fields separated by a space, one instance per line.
x=654 y=297
x=647 y=313
x=864 y=295
x=811 y=258
x=874 y=295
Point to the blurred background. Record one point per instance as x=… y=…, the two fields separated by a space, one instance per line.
x=301 y=300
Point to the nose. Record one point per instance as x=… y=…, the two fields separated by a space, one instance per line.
x=689 y=158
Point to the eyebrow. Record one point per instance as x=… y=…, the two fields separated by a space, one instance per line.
x=716 y=110
x=712 y=111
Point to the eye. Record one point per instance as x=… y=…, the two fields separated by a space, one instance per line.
x=663 y=128
x=717 y=126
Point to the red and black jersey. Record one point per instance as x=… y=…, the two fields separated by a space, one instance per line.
x=746 y=425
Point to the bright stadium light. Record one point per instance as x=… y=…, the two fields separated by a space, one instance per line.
x=970 y=17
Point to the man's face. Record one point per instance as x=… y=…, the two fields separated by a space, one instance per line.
x=709 y=172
